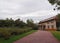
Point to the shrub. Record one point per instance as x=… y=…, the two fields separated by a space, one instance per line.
x=35 y=27
x=6 y=33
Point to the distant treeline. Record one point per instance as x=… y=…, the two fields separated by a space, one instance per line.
x=16 y=23
x=11 y=23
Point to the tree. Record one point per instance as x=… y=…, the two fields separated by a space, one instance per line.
x=58 y=17
x=9 y=22
x=57 y=2
x=30 y=23
x=17 y=22
x=2 y=23
x=58 y=22
x=22 y=24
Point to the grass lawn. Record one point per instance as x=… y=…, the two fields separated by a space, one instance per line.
x=56 y=34
x=14 y=38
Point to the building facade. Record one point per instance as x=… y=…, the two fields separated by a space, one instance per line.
x=48 y=24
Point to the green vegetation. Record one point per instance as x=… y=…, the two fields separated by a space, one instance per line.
x=12 y=30
x=55 y=2
x=6 y=33
x=9 y=27
x=14 y=38
x=58 y=22
x=10 y=23
x=56 y=34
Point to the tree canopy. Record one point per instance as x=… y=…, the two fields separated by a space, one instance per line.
x=17 y=23
x=58 y=17
x=55 y=2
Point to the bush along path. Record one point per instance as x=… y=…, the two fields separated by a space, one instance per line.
x=6 y=33
x=39 y=37
x=16 y=37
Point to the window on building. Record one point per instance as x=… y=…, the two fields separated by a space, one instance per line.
x=52 y=26
x=47 y=22
x=52 y=22
x=48 y=26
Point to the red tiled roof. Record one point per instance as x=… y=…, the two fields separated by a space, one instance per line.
x=52 y=18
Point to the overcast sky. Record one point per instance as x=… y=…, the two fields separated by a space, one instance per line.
x=26 y=9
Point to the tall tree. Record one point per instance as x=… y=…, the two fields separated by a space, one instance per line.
x=55 y=2
x=58 y=21
x=17 y=22
x=30 y=22
x=58 y=17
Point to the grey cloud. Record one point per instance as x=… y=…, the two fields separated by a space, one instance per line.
x=24 y=6
x=15 y=8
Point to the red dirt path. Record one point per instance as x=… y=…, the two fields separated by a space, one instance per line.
x=38 y=37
